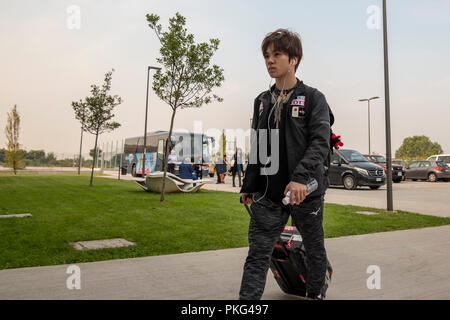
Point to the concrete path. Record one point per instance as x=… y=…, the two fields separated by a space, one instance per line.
x=413 y=264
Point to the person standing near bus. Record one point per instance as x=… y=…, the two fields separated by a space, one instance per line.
x=236 y=167
x=171 y=161
x=220 y=167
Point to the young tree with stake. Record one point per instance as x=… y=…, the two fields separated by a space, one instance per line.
x=188 y=78
x=95 y=112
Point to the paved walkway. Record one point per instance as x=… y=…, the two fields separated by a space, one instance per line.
x=413 y=264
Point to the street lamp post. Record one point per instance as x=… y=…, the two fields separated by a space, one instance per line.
x=368 y=111
x=146 y=112
x=387 y=113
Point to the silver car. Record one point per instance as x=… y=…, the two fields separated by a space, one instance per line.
x=427 y=170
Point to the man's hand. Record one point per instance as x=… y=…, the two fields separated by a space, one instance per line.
x=298 y=192
x=247 y=198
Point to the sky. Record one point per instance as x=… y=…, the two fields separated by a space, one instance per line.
x=46 y=63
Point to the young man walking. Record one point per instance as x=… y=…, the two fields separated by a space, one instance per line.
x=298 y=117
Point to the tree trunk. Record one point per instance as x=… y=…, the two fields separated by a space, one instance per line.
x=95 y=158
x=166 y=155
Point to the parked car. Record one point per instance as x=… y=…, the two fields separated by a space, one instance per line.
x=441 y=157
x=351 y=169
x=427 y=170
x=397 y=170
x=400 y=162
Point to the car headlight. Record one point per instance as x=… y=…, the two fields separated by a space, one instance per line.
x=362 y=171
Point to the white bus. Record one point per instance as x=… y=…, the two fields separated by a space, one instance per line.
x=196 y=146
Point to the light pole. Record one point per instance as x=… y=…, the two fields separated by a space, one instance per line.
x=146 y=111
x=387 y=113
x=368 y=111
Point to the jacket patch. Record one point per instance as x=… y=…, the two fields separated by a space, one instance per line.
x=298 y=112
x=299 y=101
x=261 y=108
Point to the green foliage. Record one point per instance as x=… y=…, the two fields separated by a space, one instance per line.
x=35 y=155
x=92 y=152
x=417 y=147
x=13 y=154
x=187 y=78
x=223 y=144
x=96 y=111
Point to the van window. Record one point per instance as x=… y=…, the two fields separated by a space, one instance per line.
x=445 y=159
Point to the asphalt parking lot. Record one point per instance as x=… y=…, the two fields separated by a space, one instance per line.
x=424 y=197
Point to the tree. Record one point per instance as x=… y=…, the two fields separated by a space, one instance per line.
x=37 y=156
x=417 y=147
x=2 y=155
x=223 y=143
x=96 y=112
x=50 y=158
x=188 y=78
x=13 y=155
x=92 y=152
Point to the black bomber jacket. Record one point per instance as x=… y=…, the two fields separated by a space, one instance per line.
x=308 y=127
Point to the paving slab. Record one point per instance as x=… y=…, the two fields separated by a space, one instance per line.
x=101 y=244
x=18 y=215
x=413 y=264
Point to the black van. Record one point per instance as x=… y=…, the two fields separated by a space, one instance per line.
x=351 y=169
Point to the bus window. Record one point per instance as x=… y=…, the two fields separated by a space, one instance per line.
x=161 y=147
x=197 y=147
x=182 y=145
x=207 y=150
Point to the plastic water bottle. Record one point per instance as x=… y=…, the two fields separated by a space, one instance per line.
x=311 y=186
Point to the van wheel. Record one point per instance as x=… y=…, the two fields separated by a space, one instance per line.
x=133 y=171
x=349 y=182
x=432 y=177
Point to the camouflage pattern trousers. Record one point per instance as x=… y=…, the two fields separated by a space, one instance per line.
x=266 y=224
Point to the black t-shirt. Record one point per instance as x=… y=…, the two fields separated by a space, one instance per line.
x=279 y=181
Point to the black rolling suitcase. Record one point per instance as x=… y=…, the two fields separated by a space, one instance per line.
x=289 y=264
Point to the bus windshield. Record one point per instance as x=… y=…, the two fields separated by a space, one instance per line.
x=195 y=146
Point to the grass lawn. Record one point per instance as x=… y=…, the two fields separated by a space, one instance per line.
x=65 y=209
